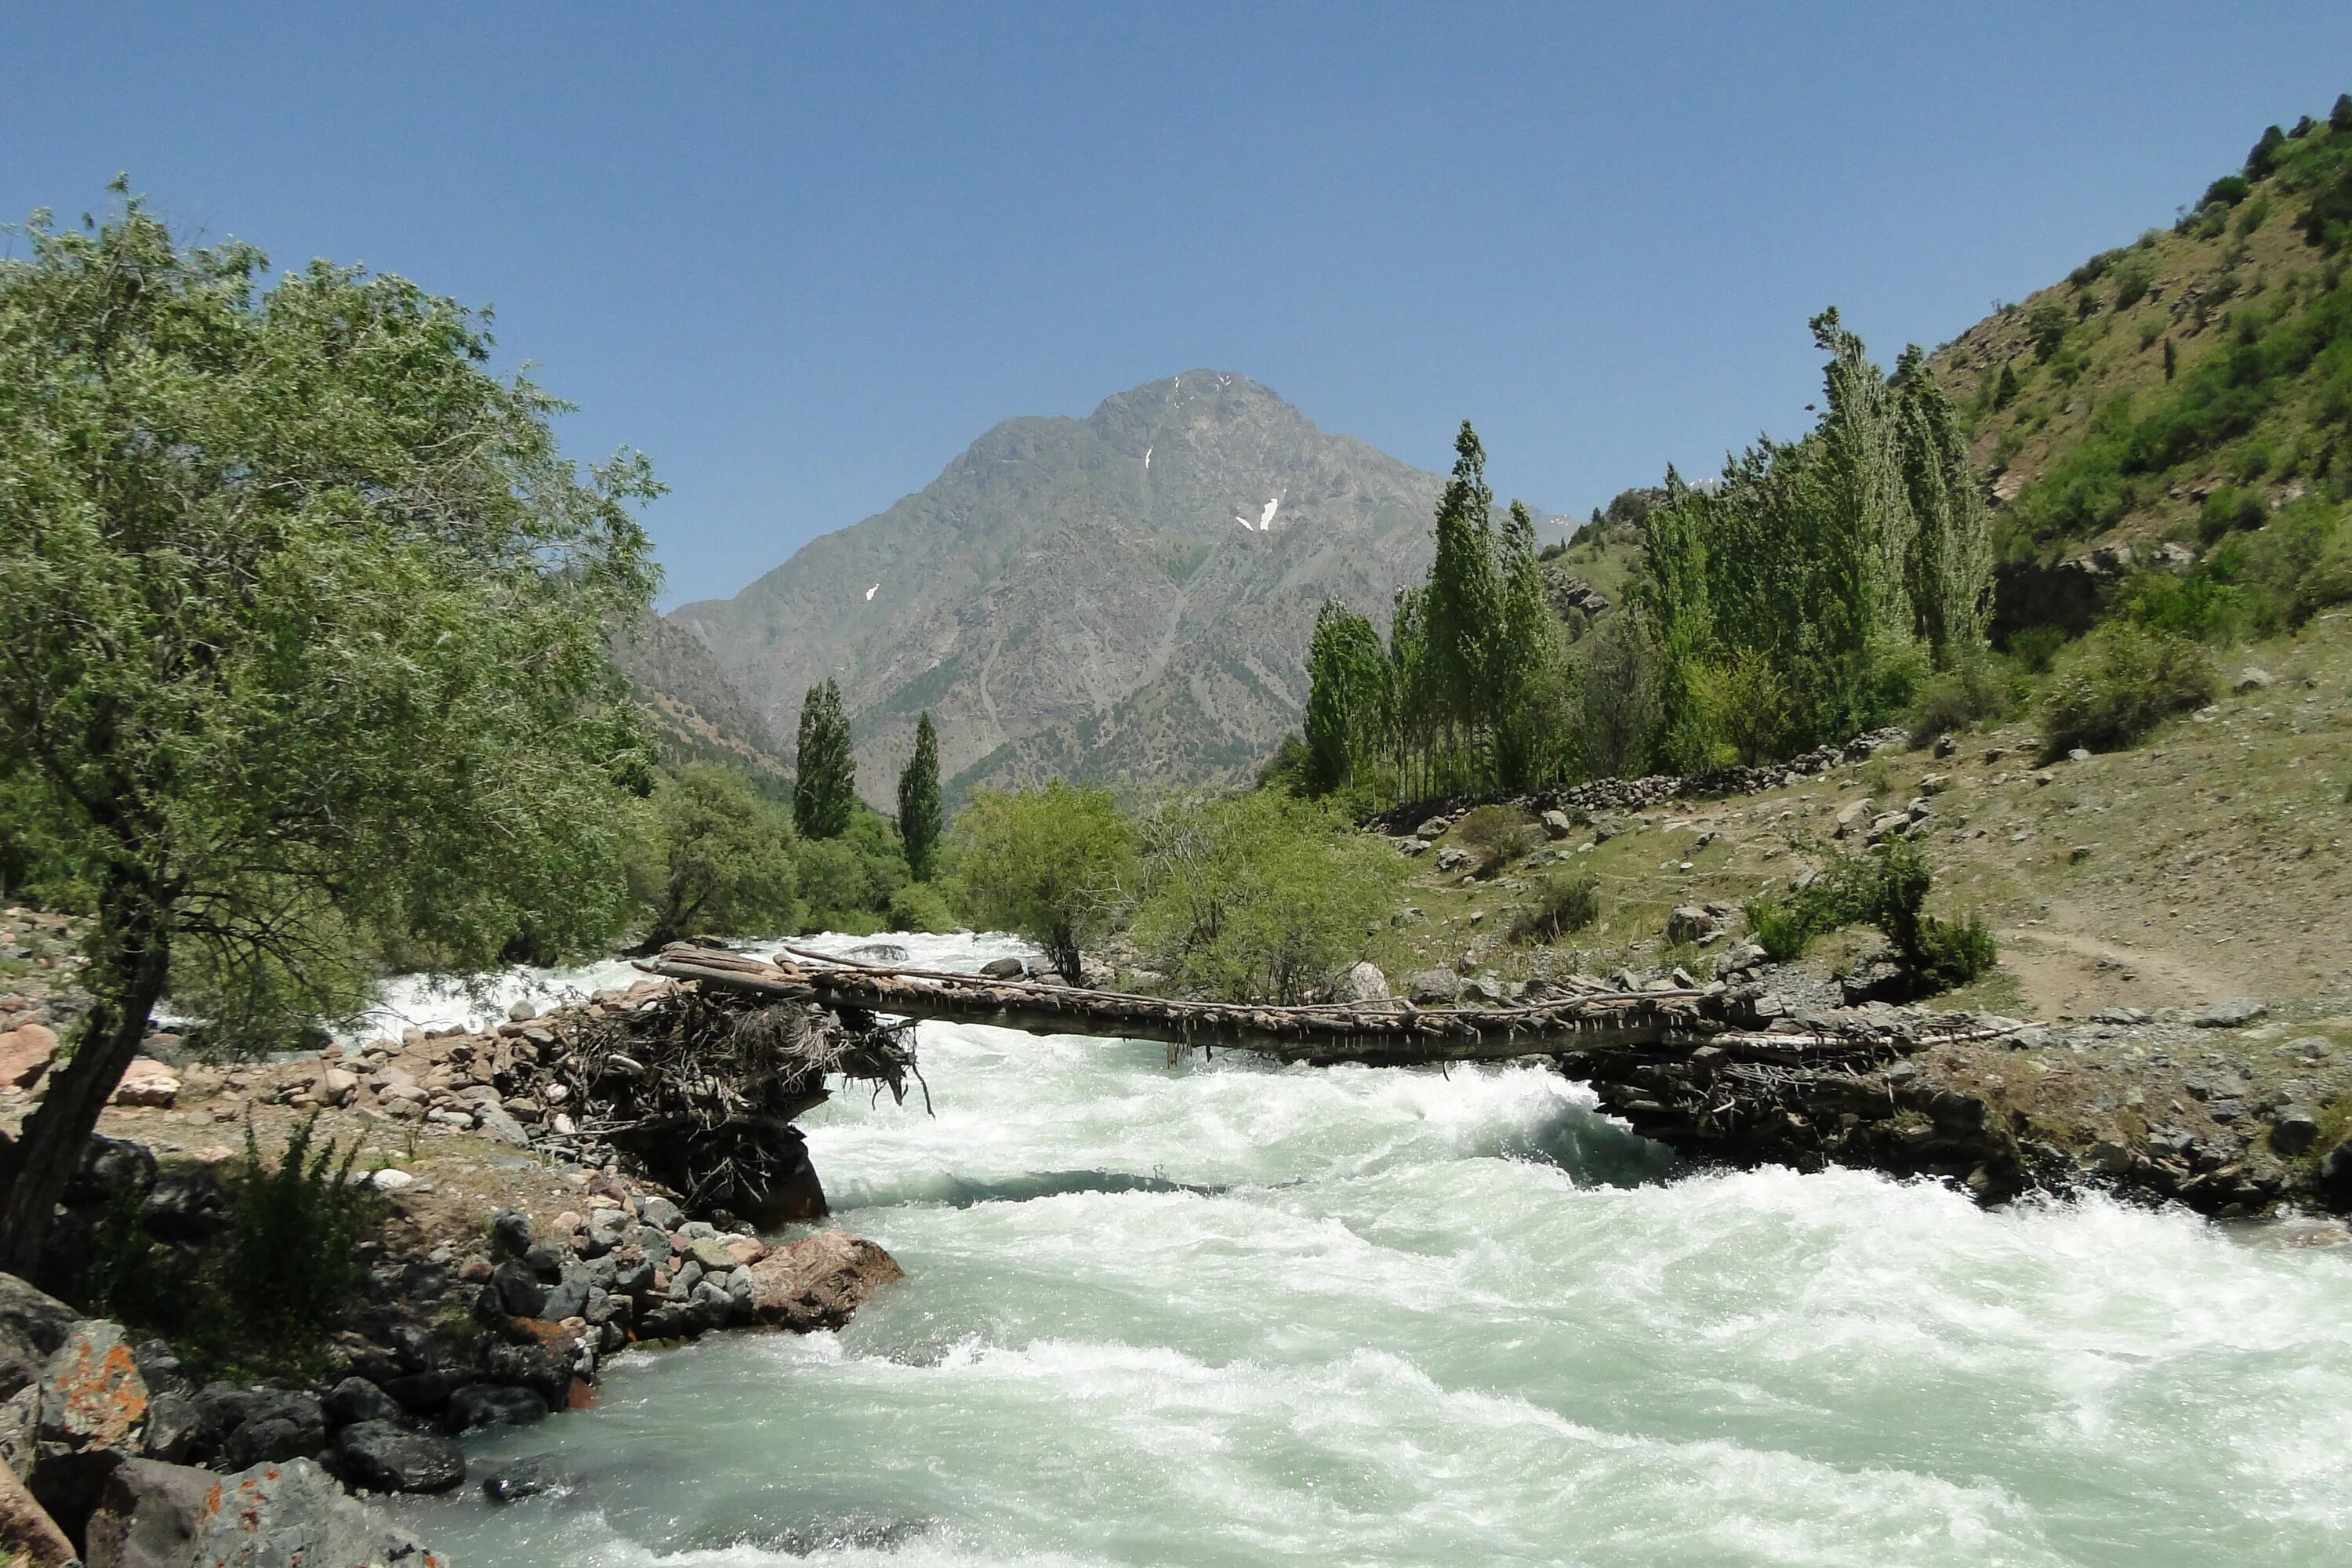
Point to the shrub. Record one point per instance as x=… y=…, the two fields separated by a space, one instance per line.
x=1887 y=889
x=920 y=906
x=1498 y=835
x=2035 y=648
x=2132 y=282
x=1963 y=697
x=1054 y=863
x=2126 y=680
x=2045 y=327
x=1564 y=902
x=1780 y=926
x=294 y=1233
x=1259 y=897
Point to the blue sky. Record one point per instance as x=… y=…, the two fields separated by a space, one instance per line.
x=803 y=256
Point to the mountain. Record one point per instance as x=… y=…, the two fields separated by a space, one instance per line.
x=696 y=712
x=1124 y=597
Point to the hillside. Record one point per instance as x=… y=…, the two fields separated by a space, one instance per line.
x=2187 y=389
x=697 y=713
x=1126 y=596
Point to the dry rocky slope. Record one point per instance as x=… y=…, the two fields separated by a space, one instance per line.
x=1092 y=597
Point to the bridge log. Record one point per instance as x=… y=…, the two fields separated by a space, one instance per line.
x=1397 y=1033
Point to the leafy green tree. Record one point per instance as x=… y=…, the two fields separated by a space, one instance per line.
x=1054 y=863
x=2339 y=119
x=826 y=790
x=1526 y=676
x=920 y=822
x=1950 y=574
x=847 y=882
x=723 y=862
x=2264 y=156
x=1348 y=698
x=2005 y=389
x=1259 y=897
x=2046 y=326
x=1463 y=600
x=302 y=624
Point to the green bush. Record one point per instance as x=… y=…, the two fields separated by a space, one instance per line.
x=1498 y=835
x=2125 y=682
x=2045 y=326
x=1258 y=898
x=1887 y=888
x=920 y=906
x=1054 y=863
x=294 y=1233
x=1973 y=691
x=1564 y=902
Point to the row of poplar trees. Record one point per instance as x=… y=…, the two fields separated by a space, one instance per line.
x=825 y=792
x=1804 y=596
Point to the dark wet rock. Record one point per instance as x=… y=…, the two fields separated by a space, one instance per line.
x=1005 y=968
x=385 y=1457
x=286 y=1426
x=354 y=1400
x=520 y=1292
x=423 y=1393
x=493 y=1404
x=533 y=1477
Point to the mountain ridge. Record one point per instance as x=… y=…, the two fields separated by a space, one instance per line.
x=1127 y=596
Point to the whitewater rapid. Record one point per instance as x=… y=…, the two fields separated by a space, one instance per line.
x=1223 y=1312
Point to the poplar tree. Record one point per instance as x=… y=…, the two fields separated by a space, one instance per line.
x=827 y=786
x=919 y=820
x=1463 y=601
x=1349 y=700
x=1526 y=660
x=1950 y=577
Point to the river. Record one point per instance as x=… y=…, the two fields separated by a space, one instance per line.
x=1222 y=1312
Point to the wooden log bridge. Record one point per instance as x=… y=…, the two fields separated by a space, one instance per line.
x=1592 y=1019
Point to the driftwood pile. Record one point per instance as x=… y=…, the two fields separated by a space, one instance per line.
x=701 y=1087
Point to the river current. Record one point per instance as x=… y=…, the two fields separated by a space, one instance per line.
x=1223 y=1312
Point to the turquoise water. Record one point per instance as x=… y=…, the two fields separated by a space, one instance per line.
x=1228 y=1313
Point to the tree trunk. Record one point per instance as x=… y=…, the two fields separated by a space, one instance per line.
x=127 y=978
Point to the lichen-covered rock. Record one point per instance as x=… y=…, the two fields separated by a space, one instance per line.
x=92 y=1395
x=819 y=1281
x=295 y=1515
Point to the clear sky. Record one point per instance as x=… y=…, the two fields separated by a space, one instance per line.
x=802 y=256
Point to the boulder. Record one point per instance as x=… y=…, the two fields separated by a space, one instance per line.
x=510 y=1233
x=2253 y=678
x=174 y=1426
x=1005 y=968
x=355 y=1400
x=878 y=952
x=533 y=1477
x=817 y=1281
x=93 y=1415
x=1690 y=923
x=33 y=1327
x=147 y=1081
x=25 y=1052
x=1452 y=858
x=1558 y=824
x=147 y=1514
x=295 y=1515
x=111 y=1168
x=385 y=1457
x=186 y=1204
x=493 y=1404
x=2294 y=1129
x=500 y=1125
x=1434 y=987
x=660 y=1213
x=1363 y=982
x=2236 y=1013
x=1854 y=815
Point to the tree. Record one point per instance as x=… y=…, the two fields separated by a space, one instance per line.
x=303 y=637
x=1056 y=864
x=827 y=786
x=2339 y=119
x=1463 y=600
x=2265 y=155
x=724 y=860
x=1950 y=570
x=1527 y=663
x=1348 y=698
x=1258 y=897
x=919 y=823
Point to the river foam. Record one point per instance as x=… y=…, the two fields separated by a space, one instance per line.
x=1225 y=1312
